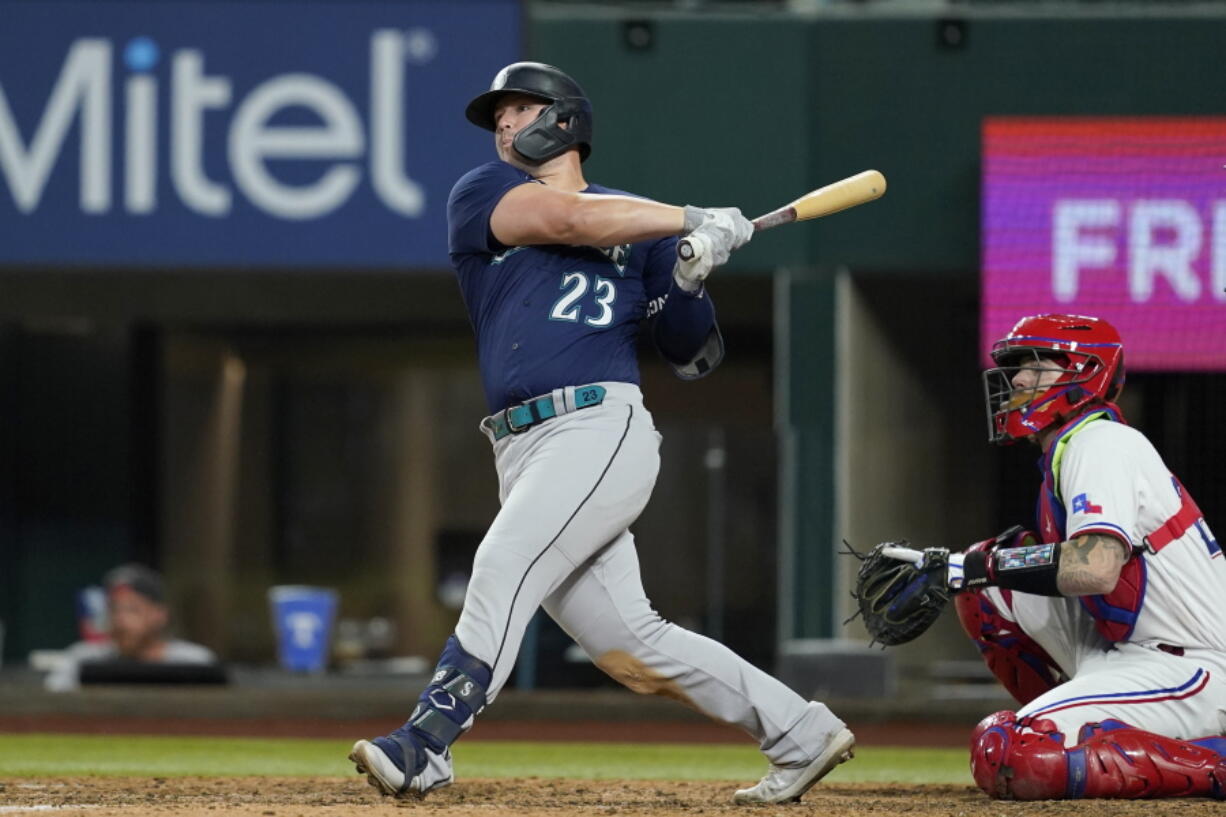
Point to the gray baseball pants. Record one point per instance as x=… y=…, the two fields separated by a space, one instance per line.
x=570 y=488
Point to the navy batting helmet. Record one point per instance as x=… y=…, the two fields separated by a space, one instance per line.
x=544 y=138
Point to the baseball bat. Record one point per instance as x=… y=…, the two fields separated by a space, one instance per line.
x=845 y=193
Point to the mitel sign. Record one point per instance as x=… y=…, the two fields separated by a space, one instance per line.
x=199 y=134
x=1121 y=218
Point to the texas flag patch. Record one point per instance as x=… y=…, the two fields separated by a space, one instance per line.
x=1082 y=504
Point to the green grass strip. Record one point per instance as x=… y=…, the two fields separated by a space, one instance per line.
x=35 y=755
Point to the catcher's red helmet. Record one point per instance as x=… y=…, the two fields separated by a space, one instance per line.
x=1091 y=358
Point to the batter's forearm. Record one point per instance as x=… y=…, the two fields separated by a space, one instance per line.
x=533 y=214
x=606 y=221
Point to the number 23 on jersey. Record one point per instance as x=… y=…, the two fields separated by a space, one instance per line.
x=575 y=286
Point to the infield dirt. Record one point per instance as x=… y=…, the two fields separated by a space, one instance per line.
x=315 y=797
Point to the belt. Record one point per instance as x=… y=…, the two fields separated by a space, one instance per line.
x=1171 y=649
x=520 y=417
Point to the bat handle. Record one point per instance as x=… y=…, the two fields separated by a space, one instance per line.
x=693 y=248
x=784 y=215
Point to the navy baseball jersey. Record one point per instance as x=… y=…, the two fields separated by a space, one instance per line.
x=551 y=316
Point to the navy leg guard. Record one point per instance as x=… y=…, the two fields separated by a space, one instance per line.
x=455 y=696
x=445 y=710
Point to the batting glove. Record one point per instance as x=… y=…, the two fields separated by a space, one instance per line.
x=689 y=274
x=731 y=229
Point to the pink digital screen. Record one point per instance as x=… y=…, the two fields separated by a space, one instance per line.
x=1120 y=218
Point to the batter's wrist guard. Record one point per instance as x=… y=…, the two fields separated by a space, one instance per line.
x=705 y=360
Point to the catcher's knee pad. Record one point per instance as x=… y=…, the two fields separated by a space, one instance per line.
x=1014 y=759
x=1018 y=662
x=456 y=694
x=1026 y=760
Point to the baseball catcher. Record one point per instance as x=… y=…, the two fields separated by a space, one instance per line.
x=1104 y=624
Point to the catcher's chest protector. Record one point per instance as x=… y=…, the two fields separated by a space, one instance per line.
x=1116 y=613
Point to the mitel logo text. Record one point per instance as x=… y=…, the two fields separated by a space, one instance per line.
x=338 y=140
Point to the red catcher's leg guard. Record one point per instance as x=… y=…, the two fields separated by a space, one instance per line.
x=1132 y=763
x=1027 y=761
x=1016 y=659
x=1018 y=761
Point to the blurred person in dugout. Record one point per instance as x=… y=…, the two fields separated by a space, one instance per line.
x=137 y=631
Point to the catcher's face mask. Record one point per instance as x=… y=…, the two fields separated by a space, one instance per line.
x=1048 y=368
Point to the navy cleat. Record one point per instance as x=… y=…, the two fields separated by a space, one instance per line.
x=416 y=758
x=382 y=760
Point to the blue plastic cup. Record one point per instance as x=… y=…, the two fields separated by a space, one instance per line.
x=302 y=617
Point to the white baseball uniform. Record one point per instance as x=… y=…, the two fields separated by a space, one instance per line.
x=1164 y=668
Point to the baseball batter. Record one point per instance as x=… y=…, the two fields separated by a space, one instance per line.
x=1105 y=626
x=558 y=276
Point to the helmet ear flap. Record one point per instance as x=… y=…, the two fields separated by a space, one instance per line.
x=545 y=138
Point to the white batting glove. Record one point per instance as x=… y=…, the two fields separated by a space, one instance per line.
x=689 y=274
x=724 y=229
x=711 y=234
x=727 y=224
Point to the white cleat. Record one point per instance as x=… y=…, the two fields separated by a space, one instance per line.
x=382 y=773
x=785 y=784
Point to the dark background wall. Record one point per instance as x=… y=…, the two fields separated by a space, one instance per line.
x=757 y=109
x=754 y=109
x=707 y=108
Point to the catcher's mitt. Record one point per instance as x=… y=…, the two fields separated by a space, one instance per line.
x=900 y=599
